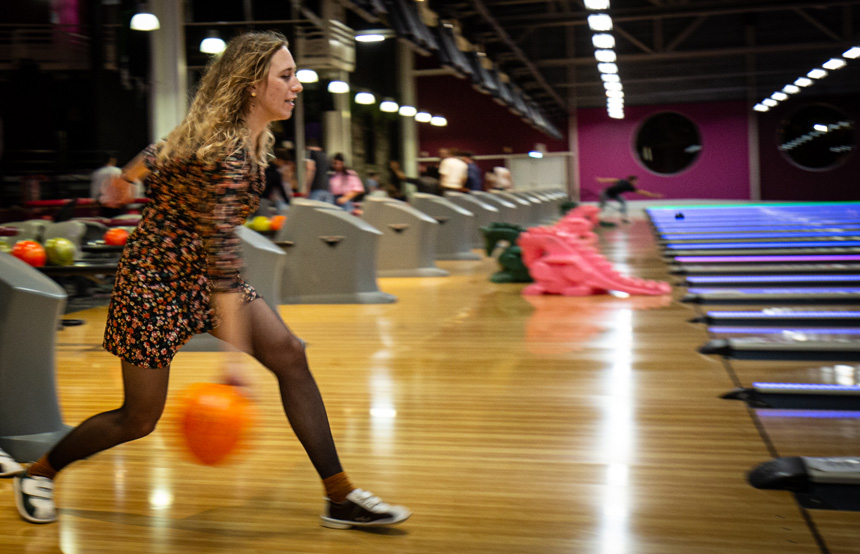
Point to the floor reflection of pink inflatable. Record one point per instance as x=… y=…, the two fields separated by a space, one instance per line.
x=560 y=325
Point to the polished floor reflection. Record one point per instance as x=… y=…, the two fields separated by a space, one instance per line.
x=509 y=424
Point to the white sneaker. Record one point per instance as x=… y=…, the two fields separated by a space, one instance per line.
x=363 y=509
x=34 y=497
x=8 y=466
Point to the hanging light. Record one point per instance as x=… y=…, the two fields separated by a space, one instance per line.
x=408 y=111
x=307 y=76
x=603 y=40
x=597 y=4
x=438 y=121
x=212 y=44
x=364 y=98
x=834 y=63
x=423 y=117
x=600 y=22
x=607 y=67
x=605 y=56
x=389 y=106
x=338 y=87
x=144 y=21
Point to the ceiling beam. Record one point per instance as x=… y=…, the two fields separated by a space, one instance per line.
x=535 y=72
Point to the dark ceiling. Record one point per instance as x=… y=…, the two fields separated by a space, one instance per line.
x=669 y=51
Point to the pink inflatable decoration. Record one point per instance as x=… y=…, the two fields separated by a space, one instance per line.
x=564 y=262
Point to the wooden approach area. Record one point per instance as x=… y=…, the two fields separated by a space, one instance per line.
x=508 y=424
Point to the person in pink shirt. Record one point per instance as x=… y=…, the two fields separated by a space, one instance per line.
x=344 y=183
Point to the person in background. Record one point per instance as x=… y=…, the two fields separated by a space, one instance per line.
x=474 y=177
x=344 y=183
x=317 y=167
x=619 y=187
x=276 y=189
x=453 y=172
x=102 y=188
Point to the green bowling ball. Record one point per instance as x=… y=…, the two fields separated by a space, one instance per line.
x=60 y=251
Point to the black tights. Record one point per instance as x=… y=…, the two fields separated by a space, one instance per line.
x=272 y=344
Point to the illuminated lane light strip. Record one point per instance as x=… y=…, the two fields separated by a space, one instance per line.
x=782 y=331
x=702 y=236
x=743 y=245
x=806 y=387
x=753 y=229
x=766 y=259
x=704 y=280
x=761 y=314
x=810 y=414
x=777 y=291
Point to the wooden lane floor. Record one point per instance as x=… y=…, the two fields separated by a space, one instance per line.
x=508 y=424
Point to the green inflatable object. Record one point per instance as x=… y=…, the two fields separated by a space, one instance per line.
x=513 y=270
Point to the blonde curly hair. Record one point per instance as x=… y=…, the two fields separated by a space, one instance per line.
x=215 y=124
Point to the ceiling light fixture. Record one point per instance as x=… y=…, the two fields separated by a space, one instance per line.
x=423 y=117
x=144 y=21
x=338 y=87
x=600 y=22
x=438 y=121
x=834 y=63
x=407 y=111
x=603 y=40
x=307 y=76
x=212 y=44
x=389 y=106
x=597 y=4
x=852 y=53
x=365 y=98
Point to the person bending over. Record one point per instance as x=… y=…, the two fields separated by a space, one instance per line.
x=618 y=188
x=180 y=275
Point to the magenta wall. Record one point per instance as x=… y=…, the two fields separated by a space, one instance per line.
x=607 y=149
x=783 y=180
x=476 y=123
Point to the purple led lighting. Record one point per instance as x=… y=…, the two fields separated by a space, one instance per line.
x=769 y=258
x=771 y=278
x=806 y=387
x=812 y=414
x=764 y=315
x=744 y=245
x=708 y=236
x=783 y=331
x=802 y=291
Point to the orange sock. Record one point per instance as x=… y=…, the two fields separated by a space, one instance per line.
x=337 y=487
x=42 y=468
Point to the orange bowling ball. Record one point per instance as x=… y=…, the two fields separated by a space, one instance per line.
x=214 y=420
x=115 y=236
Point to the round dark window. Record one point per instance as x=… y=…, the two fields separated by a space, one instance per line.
x=817 y=137
x=668 y=143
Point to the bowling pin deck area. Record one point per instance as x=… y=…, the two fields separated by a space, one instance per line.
x=508 y=423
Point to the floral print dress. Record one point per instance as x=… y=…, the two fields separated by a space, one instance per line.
x=184 y=249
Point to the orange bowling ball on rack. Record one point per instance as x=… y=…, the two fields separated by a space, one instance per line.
x=116 y=236
x=214 y=421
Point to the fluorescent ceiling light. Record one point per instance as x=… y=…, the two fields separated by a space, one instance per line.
x=607 y=68
x=408 y=111
x=535 y=154
x=802 y=82
x=816 y=74
x=610 y=77
x=760 y=108
x=144 y=21
x=597 y=4
x=212 y=45
x=612 y=86
x=364 y=98
x=369 y=37
x=619 y=102
x=780 y=96
x=852 y=53
x=438 y=121
x=338 y=87
x=614 y=94
x=423 y=117
x=834 y=63
x=389 y=106
x=791 y=89
x=616 y=114
x=603 y=40
x=821 y=128
x=770 y=102
x=600 y=22
x=605 y=56
x=307 y=76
